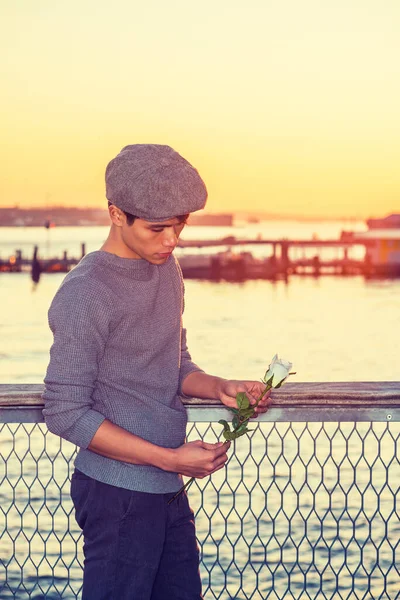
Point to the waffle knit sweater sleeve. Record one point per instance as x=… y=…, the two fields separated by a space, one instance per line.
x=119 y=353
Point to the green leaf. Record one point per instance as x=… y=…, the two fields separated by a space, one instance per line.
x=238 y=433
x=246 y=414
x=227 y=433
x=235 y=422
x=243 y=427
x=225 y=424
x=242 y=400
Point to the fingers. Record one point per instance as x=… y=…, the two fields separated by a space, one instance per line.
x=214 y=465
x=220 y=451
x=218 y=448
x=208 y=446
x=218 y=468
x=253 y=397
x=219 y=463
x=229 y=401
x=220 y=457
x=255 y=388
x=264 y=405
x=254 y=392
x=215 y=461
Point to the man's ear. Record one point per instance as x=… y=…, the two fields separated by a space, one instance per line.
x=117 y=216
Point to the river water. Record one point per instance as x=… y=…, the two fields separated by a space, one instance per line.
x=263 y=532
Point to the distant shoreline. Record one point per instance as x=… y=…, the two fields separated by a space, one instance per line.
x=60 y=216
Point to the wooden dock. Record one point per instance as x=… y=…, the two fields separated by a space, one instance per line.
x=283 y=258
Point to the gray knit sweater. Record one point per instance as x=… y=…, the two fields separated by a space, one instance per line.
x=119 y=353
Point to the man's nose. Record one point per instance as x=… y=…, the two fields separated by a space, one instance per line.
x=170 y=238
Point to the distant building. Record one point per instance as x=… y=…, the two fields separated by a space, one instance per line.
x=389 y=222
x=221 y=220
x=50 y=216
x=383 y=249
x=71 y=216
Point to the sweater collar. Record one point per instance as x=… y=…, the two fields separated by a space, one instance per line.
x=138 y=268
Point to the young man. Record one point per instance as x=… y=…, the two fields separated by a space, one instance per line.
x=119 y=366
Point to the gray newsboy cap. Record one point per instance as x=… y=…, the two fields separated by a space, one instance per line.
x=154 y=183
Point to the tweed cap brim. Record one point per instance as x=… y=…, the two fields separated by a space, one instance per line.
x=154 y=182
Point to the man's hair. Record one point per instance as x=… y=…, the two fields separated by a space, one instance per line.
x=130 y=219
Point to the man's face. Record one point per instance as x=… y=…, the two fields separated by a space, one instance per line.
x=152 y=241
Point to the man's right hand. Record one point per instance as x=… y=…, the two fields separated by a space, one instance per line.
x=199 y=459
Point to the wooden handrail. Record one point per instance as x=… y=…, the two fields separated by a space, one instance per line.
x=362 y=394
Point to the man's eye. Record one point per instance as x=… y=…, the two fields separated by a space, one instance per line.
x=157 y=230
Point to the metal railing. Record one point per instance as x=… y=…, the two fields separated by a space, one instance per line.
x=307 y=507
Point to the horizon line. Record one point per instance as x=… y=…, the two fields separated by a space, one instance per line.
x=237 y=213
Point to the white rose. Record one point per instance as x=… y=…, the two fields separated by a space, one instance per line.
x=279 y=370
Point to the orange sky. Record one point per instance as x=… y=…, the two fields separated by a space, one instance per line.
x=285 y=107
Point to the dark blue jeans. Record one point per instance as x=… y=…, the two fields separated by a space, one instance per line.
x=136 y=547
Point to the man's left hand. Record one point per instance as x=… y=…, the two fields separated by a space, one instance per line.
x=228 y=389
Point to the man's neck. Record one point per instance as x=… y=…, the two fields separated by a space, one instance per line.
x=114 y=245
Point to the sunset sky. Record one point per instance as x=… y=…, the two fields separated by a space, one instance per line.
x=289 y=107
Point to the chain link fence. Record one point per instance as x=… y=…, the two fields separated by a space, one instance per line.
x=303 y=510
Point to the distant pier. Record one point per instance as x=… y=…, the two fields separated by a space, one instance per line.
x=230 y=262
x=18 y=263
